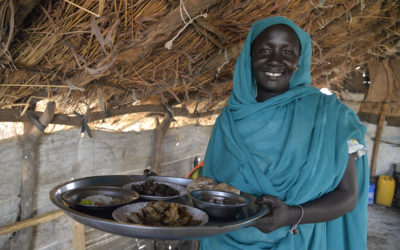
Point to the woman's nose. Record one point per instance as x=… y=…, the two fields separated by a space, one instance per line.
x=275 y=58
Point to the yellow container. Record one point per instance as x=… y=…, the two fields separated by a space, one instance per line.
x=385 y=190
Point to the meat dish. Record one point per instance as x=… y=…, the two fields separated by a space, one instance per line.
x=152 y=188
x=161 y=213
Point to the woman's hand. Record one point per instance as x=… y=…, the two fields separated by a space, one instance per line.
x=280 y=214
x=328 y=207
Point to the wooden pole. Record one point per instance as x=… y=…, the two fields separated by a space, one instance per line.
x=22 y=238
x=381 y=121
x=31 y=222
x=159 y=134
x=78 y=235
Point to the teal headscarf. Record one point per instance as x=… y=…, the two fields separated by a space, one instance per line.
x=293 y=146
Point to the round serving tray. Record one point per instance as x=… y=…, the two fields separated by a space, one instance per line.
x=104 y=221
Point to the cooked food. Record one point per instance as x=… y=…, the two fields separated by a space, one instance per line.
x=152 y=188
x=223 y=201
x=209 y=183
x=161 y=213
x=100 y=200
x=201 y=182
x=227 y=188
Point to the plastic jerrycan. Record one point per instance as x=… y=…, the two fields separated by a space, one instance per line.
x=385 y=193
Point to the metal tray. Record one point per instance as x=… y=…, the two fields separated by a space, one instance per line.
x=103 y=220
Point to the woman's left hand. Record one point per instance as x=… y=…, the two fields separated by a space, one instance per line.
x=280 y=214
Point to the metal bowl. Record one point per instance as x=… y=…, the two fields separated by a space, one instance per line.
x=75 y=196
x=180 y=189
x=121 y=214
x=218 y=204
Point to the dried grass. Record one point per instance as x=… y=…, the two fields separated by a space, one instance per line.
x=60 y=43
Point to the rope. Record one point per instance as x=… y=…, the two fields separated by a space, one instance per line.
x=72 y=87
x=182 y=8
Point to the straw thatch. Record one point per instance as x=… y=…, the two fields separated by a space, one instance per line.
x=111 y=57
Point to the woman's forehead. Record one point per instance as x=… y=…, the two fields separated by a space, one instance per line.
x=278 y=29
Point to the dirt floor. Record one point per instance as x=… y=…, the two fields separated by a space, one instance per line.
x=383 y=228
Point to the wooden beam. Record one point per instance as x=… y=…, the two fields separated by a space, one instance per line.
x=13 y=115
x=37 y=220
x=381 y=121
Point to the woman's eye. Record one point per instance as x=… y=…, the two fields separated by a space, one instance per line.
x=287 y=52
x=266 y=51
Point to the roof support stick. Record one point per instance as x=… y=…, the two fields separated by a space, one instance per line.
x=381 y=121
x=159 y=133
x=29 y=144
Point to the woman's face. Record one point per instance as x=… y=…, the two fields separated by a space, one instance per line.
x=274 y=56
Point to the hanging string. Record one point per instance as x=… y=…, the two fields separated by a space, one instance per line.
x=226 y=61
x=182 y=9
x=72 y=87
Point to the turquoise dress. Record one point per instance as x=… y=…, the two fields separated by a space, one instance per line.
x=292 y=146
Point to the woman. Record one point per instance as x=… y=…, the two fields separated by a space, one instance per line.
x=287 y=143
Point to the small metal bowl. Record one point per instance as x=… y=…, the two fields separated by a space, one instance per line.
x=180 y=189
x=208 y=201
x=74 y=197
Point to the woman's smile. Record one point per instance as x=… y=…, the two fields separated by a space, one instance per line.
x=272 y=74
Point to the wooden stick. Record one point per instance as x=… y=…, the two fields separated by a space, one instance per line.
x=31 y=222
x=381 y=121
x=34 y=85
x=84 y=9
x=78 y=235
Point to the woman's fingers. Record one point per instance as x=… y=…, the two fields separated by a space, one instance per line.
x=271 y=201
x=261 y=225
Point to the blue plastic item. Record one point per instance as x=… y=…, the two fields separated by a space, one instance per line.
x=371 y=193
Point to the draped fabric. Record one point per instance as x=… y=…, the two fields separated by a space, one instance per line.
x=293 y=146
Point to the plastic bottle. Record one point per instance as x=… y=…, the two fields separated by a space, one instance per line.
x=385 y=190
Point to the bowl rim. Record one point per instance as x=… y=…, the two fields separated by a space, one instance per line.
x=133 y=196
x=212 y=204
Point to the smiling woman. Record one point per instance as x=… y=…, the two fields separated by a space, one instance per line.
x=287 y=143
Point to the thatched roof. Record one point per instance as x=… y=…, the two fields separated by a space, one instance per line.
x=104 y=58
